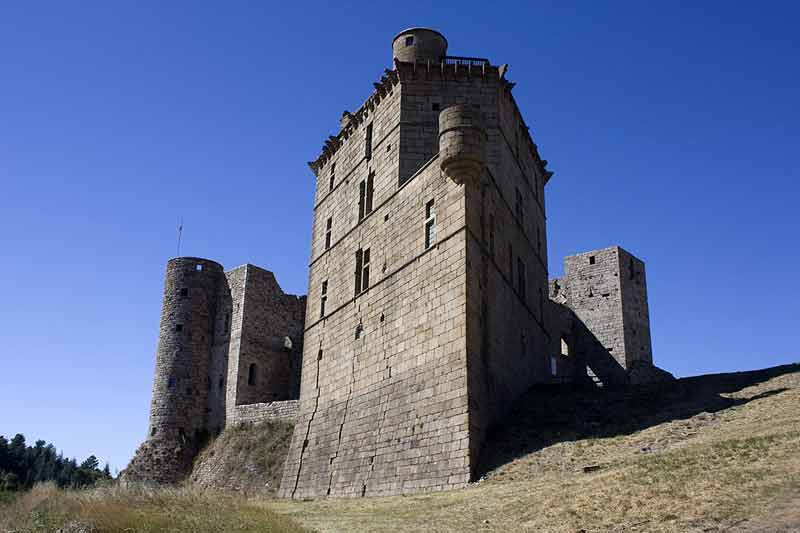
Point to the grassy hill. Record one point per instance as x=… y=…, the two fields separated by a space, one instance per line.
x=709 y=453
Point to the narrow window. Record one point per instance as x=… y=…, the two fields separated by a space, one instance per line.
x=365 y=271
x=251 y=374
x=523 y=343
x=370 y=193
x=523 y=292
x=511 y=264
x=564 y=347
x=491 y=236
x=430 y=225
x=359 y=262
x=368 y=142
x=409 y=40
x=323 y=299
x=333 y=177
x=328 y=228
x=171 y=382
x=553 y=366
x=591 y=259
x=362 y=197
x=631 y=270
x=362 y=270
x=227 y=322
x=541 y=305
x=539 y=240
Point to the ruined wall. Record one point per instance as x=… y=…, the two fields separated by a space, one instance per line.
x=606 y=291
x=635 y=312
x=271 y=339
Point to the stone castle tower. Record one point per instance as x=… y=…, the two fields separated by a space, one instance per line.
x=428 y=284
x=429 y=310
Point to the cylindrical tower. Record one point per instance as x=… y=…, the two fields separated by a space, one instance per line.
x=180 y=387
x=462 y=143
x=419 y=44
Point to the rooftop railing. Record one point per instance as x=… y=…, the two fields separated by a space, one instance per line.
x=466 y=61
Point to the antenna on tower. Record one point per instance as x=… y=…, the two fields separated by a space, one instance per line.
x=180 y=232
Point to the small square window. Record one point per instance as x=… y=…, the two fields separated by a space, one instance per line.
x=435 y=106
x=409 y=40
x=199 y=267
x=591 y=259
x=184 y=292
x=178 y=327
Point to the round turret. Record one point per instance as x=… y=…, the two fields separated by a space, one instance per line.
x=462 y=143
x=419 y=44
x=180 y=387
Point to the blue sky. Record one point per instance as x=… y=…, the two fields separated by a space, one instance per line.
x=673 y=131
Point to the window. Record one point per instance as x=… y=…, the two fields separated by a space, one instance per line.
x=333 y=177
x=362 y=270
x=491 y=236
x=435 y=106
x=184 y=293
x=368 y=142
x=430 y=224
x=365 y=195
x=539 y=240
x=178 y=327
x=553 y=366
x=328 y=227
x=409 y=40
x=171 y=382
x=198 y=267
x=541 y=305
x=510 y=264
x=591 y=259
x=523 y=290
x=564 y=347
x=251 y=374
x=323 y=299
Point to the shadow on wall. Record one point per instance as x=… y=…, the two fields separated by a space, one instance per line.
x=549 y=414
x=586 y=352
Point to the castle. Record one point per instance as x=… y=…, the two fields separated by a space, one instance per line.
x=429 y=309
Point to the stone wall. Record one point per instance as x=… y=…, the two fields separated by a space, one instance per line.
x=256 y=413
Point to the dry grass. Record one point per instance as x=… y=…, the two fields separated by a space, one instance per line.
x=720 y=454
x=734 y=469
x=138 y=509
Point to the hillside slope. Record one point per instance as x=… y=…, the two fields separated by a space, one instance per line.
x=245 y=457
x=709 y=453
